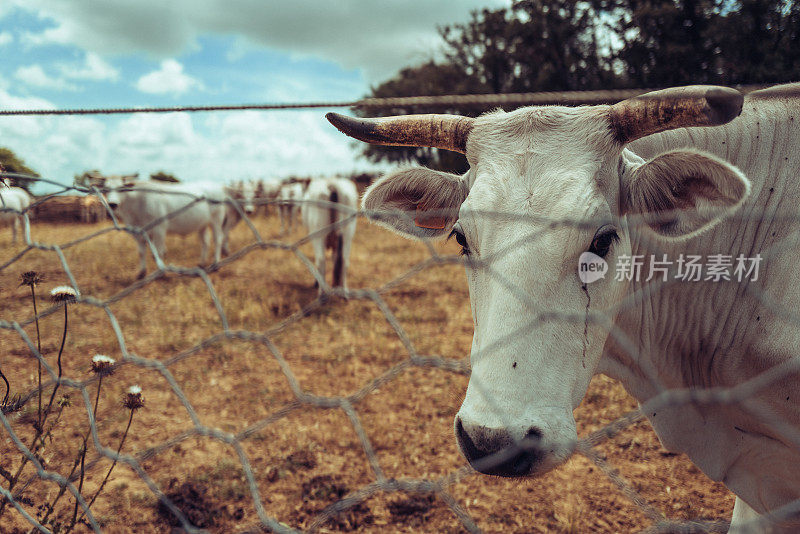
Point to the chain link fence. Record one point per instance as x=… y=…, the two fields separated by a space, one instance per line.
x=348 y=405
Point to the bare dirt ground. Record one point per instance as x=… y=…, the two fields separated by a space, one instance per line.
x=310 y=457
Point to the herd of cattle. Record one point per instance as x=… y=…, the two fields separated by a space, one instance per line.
x=325 y=205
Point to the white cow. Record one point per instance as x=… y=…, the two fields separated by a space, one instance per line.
x=541 y=333
x=13 y=200
x=164 y=208
x=266 y=193
x=243 y=195
x=326 y=202
x=289 y=198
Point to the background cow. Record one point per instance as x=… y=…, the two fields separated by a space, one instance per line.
x=162 y=208
x=289 y=198
x=326 y=202
x=241 y=198
x=13 y=200
x=266 y=193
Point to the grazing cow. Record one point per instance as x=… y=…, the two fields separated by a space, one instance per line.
x=260 y=196
x=636 y=179
x=162 y=208
x=265 y=194
x=326 y=202
x=243 y=195
x=289 y=198
x=13 y=200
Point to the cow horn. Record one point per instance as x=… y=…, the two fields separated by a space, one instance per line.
x=449 y=132
x=678 y=107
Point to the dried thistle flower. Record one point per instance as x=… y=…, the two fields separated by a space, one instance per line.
x=63 y=294
x=13 y=405
x=102 y=365
x=133 y=399
x=31 y=278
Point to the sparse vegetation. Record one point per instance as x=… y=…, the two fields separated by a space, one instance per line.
x=30 y=461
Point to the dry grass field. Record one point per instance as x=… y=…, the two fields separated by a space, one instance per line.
x=306 y=458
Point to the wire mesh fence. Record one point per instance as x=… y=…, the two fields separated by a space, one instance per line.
x=351 y=405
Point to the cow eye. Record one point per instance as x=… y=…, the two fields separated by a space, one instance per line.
x=602 y=241
x=458 y=233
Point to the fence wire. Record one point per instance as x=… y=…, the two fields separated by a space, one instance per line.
x=485 y=101
x=348 y=405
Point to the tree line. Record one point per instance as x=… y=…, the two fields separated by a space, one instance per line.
x=560 y=45
x=11 y=163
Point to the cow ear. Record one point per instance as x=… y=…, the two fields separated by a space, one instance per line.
x=416 y=202
x=682 y=193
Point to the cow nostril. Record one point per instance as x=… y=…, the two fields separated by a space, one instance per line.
x=460 y=432
x=471 y=452
x=462 y=436
x=531 y=440
x=502 y=458
x=533 y=434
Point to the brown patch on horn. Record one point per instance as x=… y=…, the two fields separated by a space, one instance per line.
x=449 y=132
x=678 y=107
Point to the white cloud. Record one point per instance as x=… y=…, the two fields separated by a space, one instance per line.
x=9 y=101
x=380 y=36
x=6 y=38
x=257 y=144
x=94 y=68
x=195 y=147
x=170 y=78
x=35 y=76
x=15 y=129
x=49 y=145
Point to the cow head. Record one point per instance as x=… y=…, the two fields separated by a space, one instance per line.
x=545 y=185
x=115 y=186
x=247 y=193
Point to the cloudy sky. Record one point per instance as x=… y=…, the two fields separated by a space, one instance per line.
x=120 y=53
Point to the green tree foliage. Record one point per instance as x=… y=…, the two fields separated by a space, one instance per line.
x=9 y=162
x=559 y=45
x=162 y=176
x=88 y=178
x=759 y=42
x=704 y=41
x=667 y=42
x=533 y=46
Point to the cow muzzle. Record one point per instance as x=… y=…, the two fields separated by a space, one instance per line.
x=528 y=445
x=495 y=452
